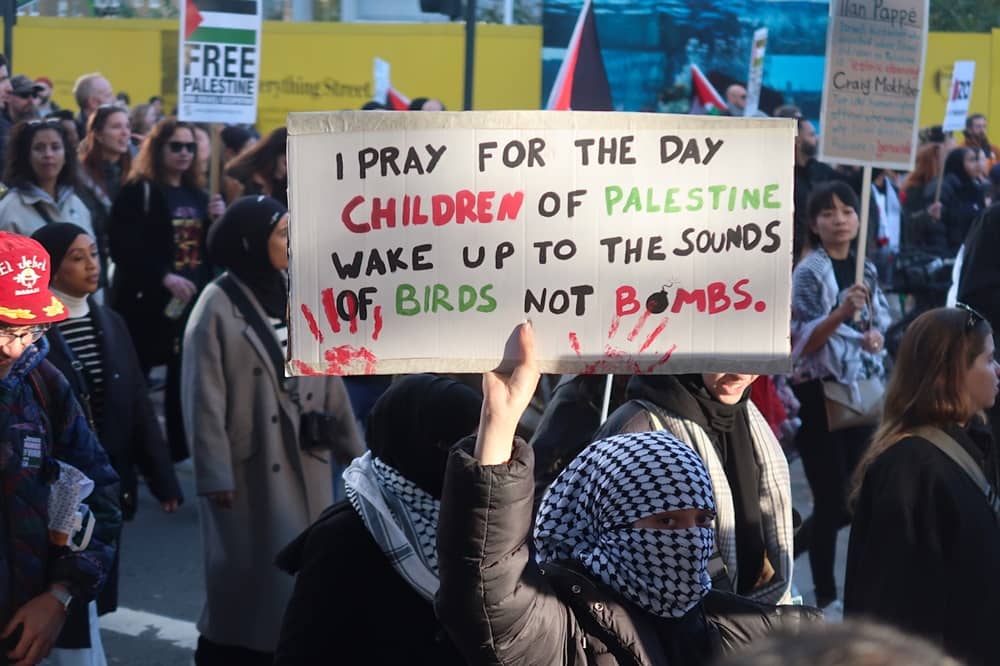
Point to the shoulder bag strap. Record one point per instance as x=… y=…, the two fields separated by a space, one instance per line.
x=961 y=457
x=259 y=326
x=40 y=207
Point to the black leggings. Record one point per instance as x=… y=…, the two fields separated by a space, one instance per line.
x=829 y=459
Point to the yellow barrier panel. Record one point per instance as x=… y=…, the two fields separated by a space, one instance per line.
x=306 y=66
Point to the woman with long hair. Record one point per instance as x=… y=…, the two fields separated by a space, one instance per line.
x=157 y=237
x=962 y=194
x=837 y=338
x=263 y=169
x=105 y=160
x=921 y=216
x=926 y=535
x=41 y=172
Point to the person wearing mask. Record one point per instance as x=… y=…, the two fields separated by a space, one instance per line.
x=41 y=173
x=105 y=160
x=926 y=535
x=21 y=103
x=622 y=542
x=91 y=91
x=837 y=338
x=262 y=473
x=157 y=233
x=394 y=493
x=92 y=348
x=263 y=169
x=962 y=195
x=46 y=588
x=713 y=413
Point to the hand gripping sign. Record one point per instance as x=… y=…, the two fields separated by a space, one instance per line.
x=634 y=242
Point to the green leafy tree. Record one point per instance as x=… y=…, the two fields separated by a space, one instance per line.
x=964 y=15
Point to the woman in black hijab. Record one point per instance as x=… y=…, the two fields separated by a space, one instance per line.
x=260 y=477
x=370 y=563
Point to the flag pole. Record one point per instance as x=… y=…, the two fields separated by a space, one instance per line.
x=215 y=165
x=470 y=52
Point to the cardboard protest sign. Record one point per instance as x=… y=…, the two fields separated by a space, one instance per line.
x=959 y=95
x=219 y=61
x=755 y=77
x=871 y=91
x=634 y=242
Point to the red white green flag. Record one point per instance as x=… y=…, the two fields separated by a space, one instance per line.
x=705 y=99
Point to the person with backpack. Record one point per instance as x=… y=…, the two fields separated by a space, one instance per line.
x=47 y=583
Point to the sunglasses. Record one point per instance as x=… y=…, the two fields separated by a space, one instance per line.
x=973 y=317
x=45 y=121
x=26 y=95
x=178 y=146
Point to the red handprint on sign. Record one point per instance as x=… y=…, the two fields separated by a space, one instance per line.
x=342 y=359
x=615 y=356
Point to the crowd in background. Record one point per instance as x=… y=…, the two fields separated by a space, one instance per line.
x=665 y=534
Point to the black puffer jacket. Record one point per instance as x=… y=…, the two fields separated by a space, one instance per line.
x=501 y=608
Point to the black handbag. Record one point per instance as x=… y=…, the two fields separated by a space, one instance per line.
x=317 y=430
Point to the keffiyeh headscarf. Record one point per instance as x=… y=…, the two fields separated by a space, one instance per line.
x=588 y=512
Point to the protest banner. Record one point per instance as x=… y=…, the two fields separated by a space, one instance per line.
x=755 y=77
x=872 y=82
x=633 y=242
x=960 y=93
x=219 y=61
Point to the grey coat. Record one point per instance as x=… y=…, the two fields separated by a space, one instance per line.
x=243 y=430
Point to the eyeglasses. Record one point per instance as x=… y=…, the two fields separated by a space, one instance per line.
x=28 y=337
x=973 y=316
x=178 y=146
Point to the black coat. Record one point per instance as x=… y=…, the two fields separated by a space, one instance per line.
x=141 y=236
x=500 y=607
x=129 y=430
x=350 y=606
x=925 y=548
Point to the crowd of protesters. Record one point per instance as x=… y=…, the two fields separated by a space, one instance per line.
x=663 y=535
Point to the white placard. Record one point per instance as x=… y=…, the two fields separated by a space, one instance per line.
x=959 y=95
x=634 y=242
x=219 y=61
x=755 y=77
x=872 y=82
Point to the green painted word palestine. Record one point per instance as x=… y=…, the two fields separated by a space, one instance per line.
x=673 y=200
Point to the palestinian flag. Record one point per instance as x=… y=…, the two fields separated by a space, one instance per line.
x=582 y=82
x=705 y=99
x=221 y=21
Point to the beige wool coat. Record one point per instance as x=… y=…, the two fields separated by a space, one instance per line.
x=243 y=432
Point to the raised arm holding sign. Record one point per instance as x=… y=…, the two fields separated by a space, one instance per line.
x=633 y=242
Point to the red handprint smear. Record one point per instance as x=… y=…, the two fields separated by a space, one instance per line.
x=343 y=359
x=616 y=357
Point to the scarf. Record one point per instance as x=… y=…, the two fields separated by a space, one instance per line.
x=401 y=518
x=728 y=428
x=587 y=513
x=238 y=242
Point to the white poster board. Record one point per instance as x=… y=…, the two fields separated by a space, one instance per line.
x=219 y=61
x=872 y=82
x=633 y=242
x=755 y=77
x=959 y=95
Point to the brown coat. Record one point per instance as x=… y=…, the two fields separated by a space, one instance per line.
x=242 y=428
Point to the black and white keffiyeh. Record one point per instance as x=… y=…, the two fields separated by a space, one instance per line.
x=401 y=517
x=587 y=513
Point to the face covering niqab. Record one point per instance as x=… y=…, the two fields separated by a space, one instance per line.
x=588 y=512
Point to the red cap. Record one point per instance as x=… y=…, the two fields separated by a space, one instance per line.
x=25 y=299
x=46 y=80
